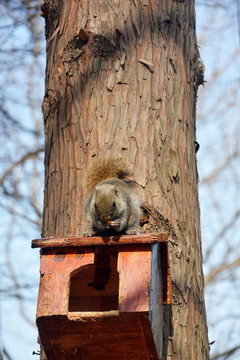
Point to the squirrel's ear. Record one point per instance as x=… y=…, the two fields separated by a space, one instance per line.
x=115 y=190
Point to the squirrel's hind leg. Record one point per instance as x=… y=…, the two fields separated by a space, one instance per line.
x=133 y=225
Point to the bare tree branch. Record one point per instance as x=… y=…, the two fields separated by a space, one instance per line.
x=14 y=278
x=221 y=234
x=216 y=171
x=20 y=162
x=226 y=354
x=6 y=354
x=221 y=268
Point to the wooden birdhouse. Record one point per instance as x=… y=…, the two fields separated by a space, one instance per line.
x=102 y=297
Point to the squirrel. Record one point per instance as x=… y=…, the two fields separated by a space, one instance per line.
x=111 y=204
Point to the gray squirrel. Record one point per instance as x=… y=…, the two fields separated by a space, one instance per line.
x=112 y=204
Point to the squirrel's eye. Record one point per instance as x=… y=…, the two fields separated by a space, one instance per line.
x=114 y=204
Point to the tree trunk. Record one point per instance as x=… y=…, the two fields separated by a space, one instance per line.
x=124 y=85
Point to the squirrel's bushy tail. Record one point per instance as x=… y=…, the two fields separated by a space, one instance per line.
x=112 y=168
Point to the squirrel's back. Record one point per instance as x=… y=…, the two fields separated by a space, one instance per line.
x=112 y=168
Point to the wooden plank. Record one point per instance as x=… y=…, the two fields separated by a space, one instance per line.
x=156 y=306
x=134 y=279
x=166 y=274
x=148 y=334
x=82 y=241
x=65 y=261
x=102 y=336
x=53 y=294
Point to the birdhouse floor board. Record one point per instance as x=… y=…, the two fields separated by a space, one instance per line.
x=112 y=335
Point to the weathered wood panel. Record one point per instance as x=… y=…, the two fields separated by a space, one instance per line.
x=55 y=271
x=110 y=336
x=134 y=279
x=99 y=240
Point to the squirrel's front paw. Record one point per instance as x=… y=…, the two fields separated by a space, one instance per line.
x=115 y=224
x=132 y=232
x=88 y=234
x=101 y=226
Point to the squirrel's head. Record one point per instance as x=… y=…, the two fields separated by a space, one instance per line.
x=107 y=202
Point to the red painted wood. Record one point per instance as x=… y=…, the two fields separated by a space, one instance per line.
x=55 y=272
x=134 y=279
x=99 y=240
x=166 y=274
x=97 y=336
x=119 y=311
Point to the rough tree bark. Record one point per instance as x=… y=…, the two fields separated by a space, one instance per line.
x=125 y=85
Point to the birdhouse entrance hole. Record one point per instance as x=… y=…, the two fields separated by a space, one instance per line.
x=95 y=287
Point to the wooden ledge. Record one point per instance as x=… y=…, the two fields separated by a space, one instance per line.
x=92 y=315
x=74 y=241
